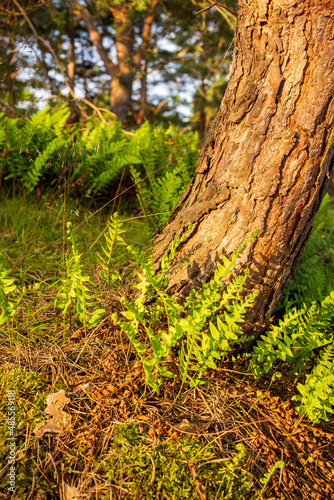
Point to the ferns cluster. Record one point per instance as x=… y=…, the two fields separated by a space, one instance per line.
x=203 y=329
x=302 y=341
x=74 y=291
x=208 y=324
x=317 y=393
x=34 y=151
x=44 y=151
x=161 y=163
x=159 y=190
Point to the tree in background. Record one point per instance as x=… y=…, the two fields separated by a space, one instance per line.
x=268 y=158
x=204 y=37
x=124 y=17
x=23 y=73
x=115 y=53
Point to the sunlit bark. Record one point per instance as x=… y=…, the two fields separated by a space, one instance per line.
x=268 y=157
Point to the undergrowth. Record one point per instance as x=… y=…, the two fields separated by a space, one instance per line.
x=65 y=278
x=209 y=323
x=29 y=393
x=162 y=470
x=204 y=328
x=85 y=160
x=300 y=345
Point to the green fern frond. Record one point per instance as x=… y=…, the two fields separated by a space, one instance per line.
x=107 y=259
x=317 y=393
x=74 y=291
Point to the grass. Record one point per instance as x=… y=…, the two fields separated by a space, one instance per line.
x=33 y=233
x=217 y=441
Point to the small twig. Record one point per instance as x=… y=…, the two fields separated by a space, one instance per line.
x=218 y=5
x=143 y=204
x=199 y=487
x=220 y=433
x=90 y=104
x=120 y=488
x=239 y=373
x=151 y=481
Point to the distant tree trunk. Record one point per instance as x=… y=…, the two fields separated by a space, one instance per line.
x=121 y=83
x=71 y=48
x=143 y=94
x=122 y=73
x=129 y=59
x=201 y=110
x=71 y=64
x=143 y=54
x=82 y=13
x=268 y=157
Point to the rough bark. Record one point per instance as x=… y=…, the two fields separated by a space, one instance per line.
x=268 y=157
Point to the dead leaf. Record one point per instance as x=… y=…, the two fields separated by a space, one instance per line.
x=60 y=419
x=71 y=492
x=144 y=418
x=192 y=427
x=76 y=336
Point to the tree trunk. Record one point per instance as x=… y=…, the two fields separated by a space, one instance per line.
x=331 y=189
x=121 y=74
x=143 y=94
x=268 y=157
x=89 y=21
x=143 y=56
x=121 y=83
x=74 y=116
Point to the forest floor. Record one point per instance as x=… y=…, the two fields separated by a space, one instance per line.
x=113 y=437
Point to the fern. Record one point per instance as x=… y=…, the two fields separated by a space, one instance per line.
x=267 y=476
x=10 y=295
x=317 y=393
x=205 y=327
x=32 y=175
x=294 y=340
x=7 y=287
x=302 y=341
x=108 y=261
x=144 y=195
x=31 y=147
x=167 y=195
x=168 y=164
x=161 y=161
x=205 y=345
x=74 y=291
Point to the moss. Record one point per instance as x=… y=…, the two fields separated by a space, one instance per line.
x=29 y=396
x=160 y=471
